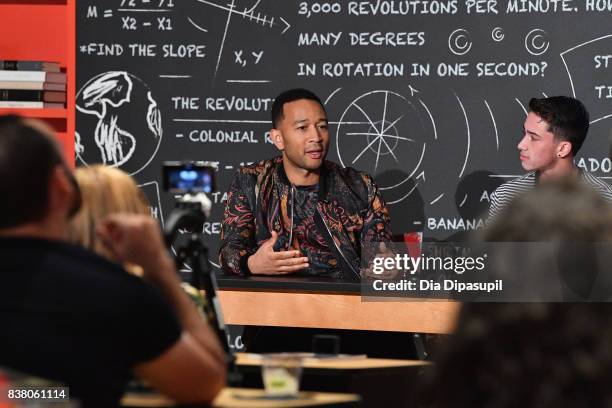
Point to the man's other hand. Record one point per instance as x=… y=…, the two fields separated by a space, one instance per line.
x=134 y=238
x=382 y=252
x=266 y=261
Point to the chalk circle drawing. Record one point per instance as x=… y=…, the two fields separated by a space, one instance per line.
x=459 y=42
x=497 y=34
x=383 y=131
x=536 y=42
x=119 y=123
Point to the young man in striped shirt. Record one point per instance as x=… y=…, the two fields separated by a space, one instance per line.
x=553 y=133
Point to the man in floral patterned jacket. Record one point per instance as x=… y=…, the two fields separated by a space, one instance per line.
x=299 y=213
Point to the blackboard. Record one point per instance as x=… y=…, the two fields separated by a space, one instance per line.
x=428 y=96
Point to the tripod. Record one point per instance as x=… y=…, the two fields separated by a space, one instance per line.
x=190 y=216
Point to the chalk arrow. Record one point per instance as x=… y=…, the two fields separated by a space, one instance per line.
x=287 y=25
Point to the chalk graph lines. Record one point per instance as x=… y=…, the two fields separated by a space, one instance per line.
x=518 y=101
x=402 y=142
x=406 y=136
x=193 y=23
x=151 y=190
x=331 y=95
x=250 y=14
x=494 y=124
x=468 y=135
x=229 y=16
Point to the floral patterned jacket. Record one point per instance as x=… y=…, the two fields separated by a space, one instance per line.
x=350 y=213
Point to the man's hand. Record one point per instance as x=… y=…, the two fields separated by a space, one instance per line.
x=268 y=262
x=136 y=239
x=382 y=252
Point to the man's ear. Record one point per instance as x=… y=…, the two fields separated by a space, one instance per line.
x=277 y=138
x=564 y=149
x=61 y=190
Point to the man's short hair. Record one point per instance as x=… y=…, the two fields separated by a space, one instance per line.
x=27 y=159
x=290 y=96
x=567 y=118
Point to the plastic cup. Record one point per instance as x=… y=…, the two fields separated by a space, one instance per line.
x=281 y=374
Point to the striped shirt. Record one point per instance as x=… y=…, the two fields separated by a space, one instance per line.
x=507 y=192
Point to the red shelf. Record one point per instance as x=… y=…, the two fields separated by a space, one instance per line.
x=37 y=113
x=43 y=30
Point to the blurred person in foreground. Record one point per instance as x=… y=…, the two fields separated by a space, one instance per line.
x=72 y=316
x=553 y=133
x=536 y=354
x=526 y=355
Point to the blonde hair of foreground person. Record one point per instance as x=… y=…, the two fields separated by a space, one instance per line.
x=105 y=190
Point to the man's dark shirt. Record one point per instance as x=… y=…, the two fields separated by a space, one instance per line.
x=305 y=231
x=349 y=214
x=69 y=315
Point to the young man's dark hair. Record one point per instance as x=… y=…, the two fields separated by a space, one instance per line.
x=27 y=157
x=567 y=117
x=290 y=96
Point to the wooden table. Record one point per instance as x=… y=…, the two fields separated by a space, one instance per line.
x=363 y=382
x=248 y=398
x=320 y=303
x=379 y=382
x=349 y=363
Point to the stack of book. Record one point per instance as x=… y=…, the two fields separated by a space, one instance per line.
x=32 y=84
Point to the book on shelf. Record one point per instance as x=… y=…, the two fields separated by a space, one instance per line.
x=28 y=95
x=29 y=104
x=33 y=76
x=36 y=85
x=16 y=65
